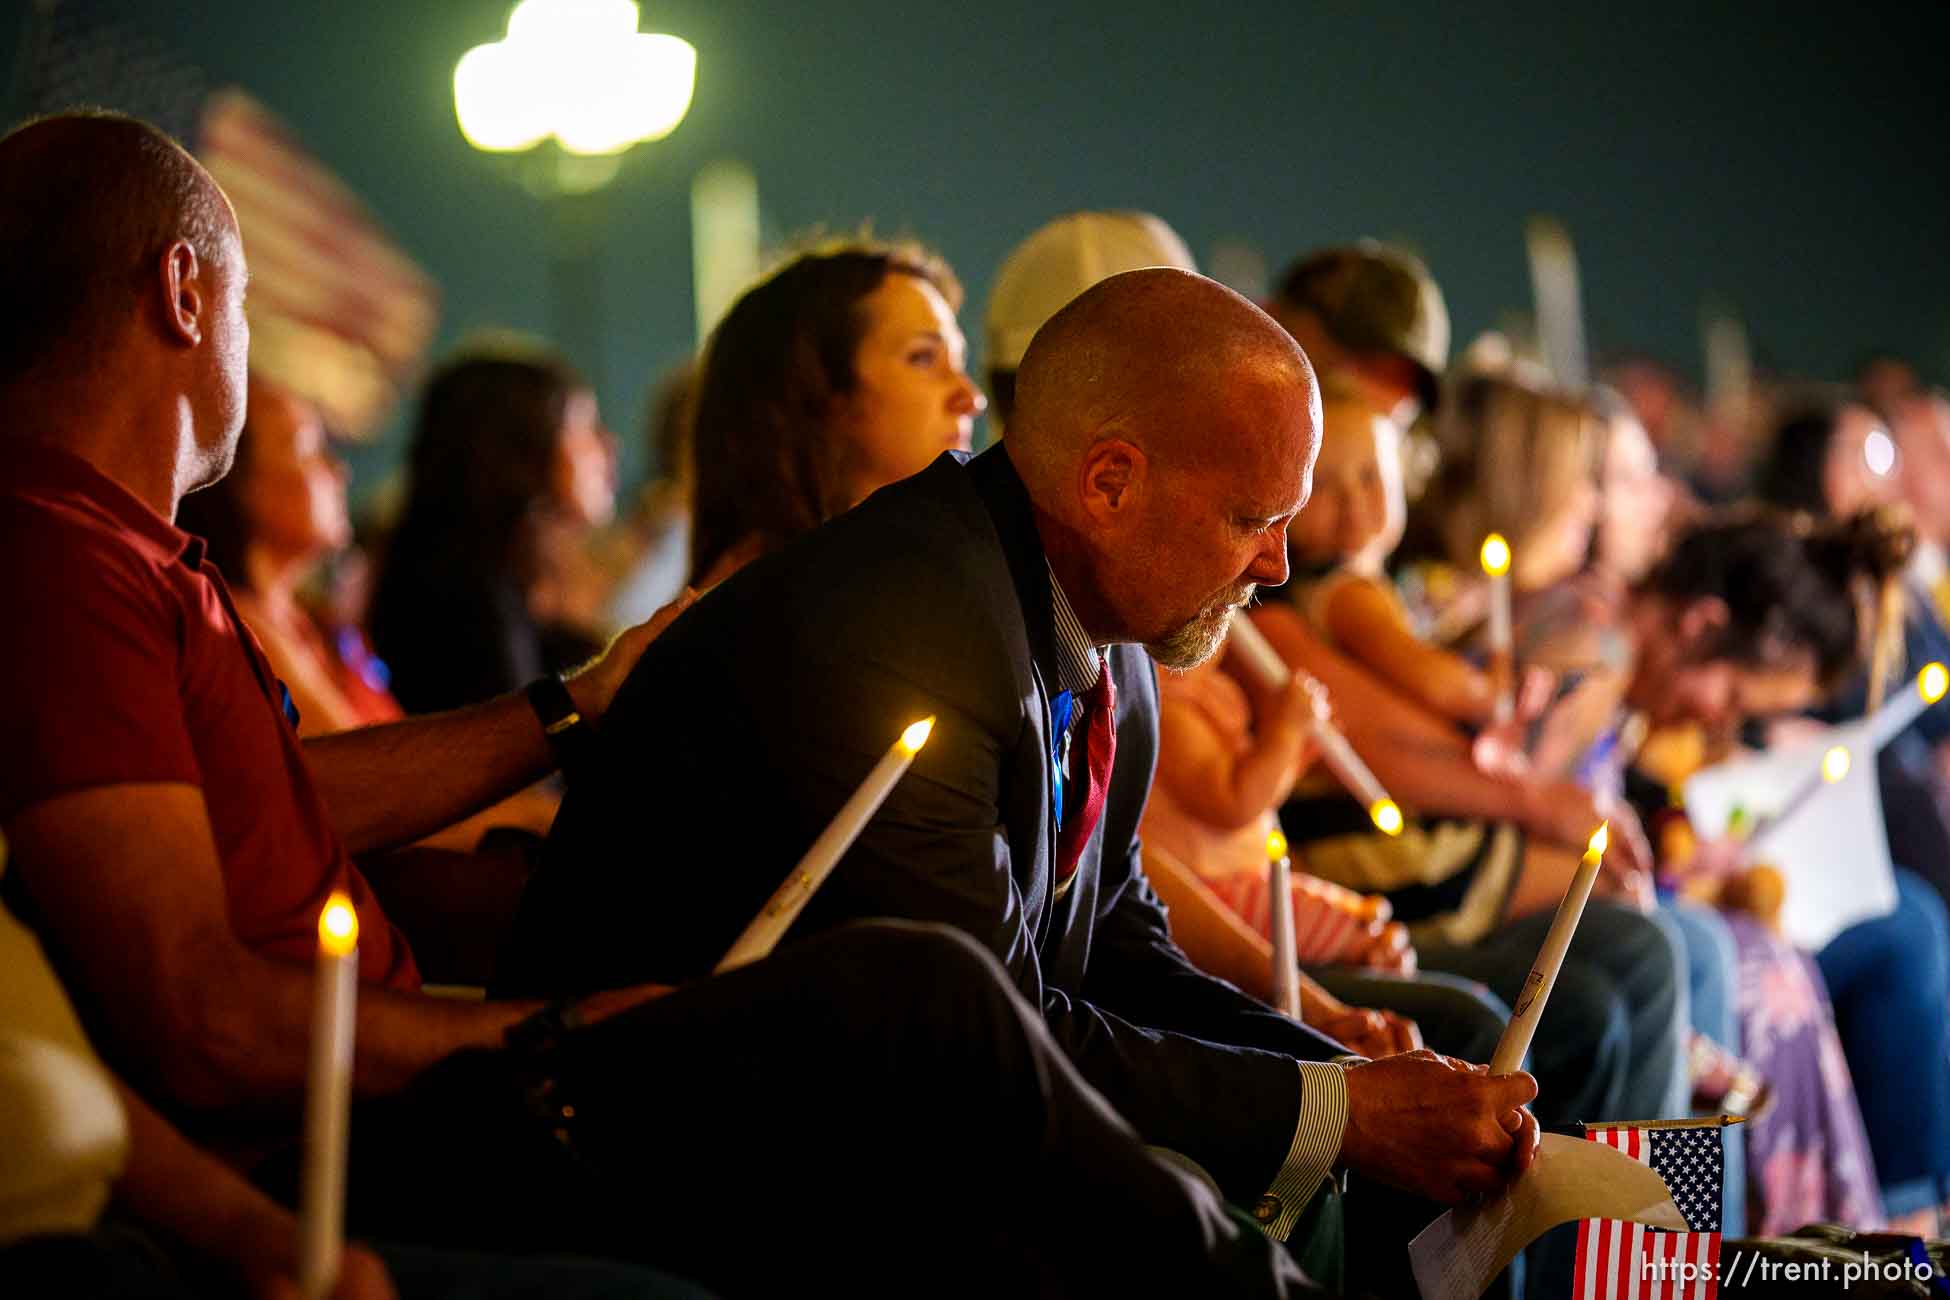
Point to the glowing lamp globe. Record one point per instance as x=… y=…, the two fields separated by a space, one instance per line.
x=578 y=71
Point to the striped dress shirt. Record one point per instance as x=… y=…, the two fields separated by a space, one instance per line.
x=1316 y=1140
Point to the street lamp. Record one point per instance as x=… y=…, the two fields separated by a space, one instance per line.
x=569 y=89
x=577 y=72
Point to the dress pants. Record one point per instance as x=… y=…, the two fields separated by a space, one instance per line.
x=872 y=1108
x=122 y=1261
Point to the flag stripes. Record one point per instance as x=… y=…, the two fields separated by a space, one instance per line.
x=1629 y=1261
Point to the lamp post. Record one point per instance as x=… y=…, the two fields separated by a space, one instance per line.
x=567 y=92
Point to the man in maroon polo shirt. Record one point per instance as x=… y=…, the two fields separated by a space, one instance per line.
x=144 y=728
x=173 y=841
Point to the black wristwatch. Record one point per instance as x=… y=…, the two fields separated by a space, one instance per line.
x=569 y=733
x=540 y=1034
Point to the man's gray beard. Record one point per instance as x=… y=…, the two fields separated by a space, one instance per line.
x=1198 y=640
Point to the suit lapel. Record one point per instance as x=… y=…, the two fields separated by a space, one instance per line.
x=1007 y=502
x=1038 y=890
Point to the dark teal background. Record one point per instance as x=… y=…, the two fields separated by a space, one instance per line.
x=1788 y=159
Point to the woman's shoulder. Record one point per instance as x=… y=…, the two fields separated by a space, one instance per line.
x=1209 y=696
x=1364 y=590
x=1283 y=624
x=1319 y=599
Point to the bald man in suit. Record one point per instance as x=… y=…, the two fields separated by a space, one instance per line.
x=1164 y=435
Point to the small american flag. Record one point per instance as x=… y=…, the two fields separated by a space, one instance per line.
x=1687 y=1155
x=1629 y=1261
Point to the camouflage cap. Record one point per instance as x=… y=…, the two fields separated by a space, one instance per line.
x=1373 y=298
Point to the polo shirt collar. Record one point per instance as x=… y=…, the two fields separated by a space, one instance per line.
x=38 y=468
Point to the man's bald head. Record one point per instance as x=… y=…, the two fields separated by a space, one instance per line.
x=93 y=200
x=1165 y=428
x=1135 y=352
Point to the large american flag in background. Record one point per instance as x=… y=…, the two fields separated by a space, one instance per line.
x=1629 y=1261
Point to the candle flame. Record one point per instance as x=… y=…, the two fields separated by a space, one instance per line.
x=338 y=926
x=917 y=735
x=1834 y=765
x=1275 y=845
x=1600 y=838
x=1496 y=555
x=1933 y=681
x=1387 y=816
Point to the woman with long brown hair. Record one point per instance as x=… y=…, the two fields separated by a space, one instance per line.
x=837 y=374
x=510 y=469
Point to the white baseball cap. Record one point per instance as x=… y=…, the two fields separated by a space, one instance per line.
x=1052 y=267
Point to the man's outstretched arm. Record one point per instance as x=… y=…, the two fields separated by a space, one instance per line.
x=391 y=785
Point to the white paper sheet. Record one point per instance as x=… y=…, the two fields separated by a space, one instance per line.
x=1832 y=850
x=1455 y=1257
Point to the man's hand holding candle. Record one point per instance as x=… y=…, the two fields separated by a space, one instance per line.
x=1438 y=1127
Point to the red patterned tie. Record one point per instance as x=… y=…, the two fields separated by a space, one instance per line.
x=1100 y=744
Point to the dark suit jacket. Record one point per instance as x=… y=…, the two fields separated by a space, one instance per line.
x=748 y=723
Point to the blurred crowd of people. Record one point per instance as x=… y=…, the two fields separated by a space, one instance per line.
x=1009 y=997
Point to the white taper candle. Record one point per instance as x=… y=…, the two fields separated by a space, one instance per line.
x=783 y=908
x=1536 y=992
x=1890 y=721
x=1257 y=651
x=1279 y=898
x=1341 y=760
x=1907 y=707
x=328 y=1099
x=1496 y=566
